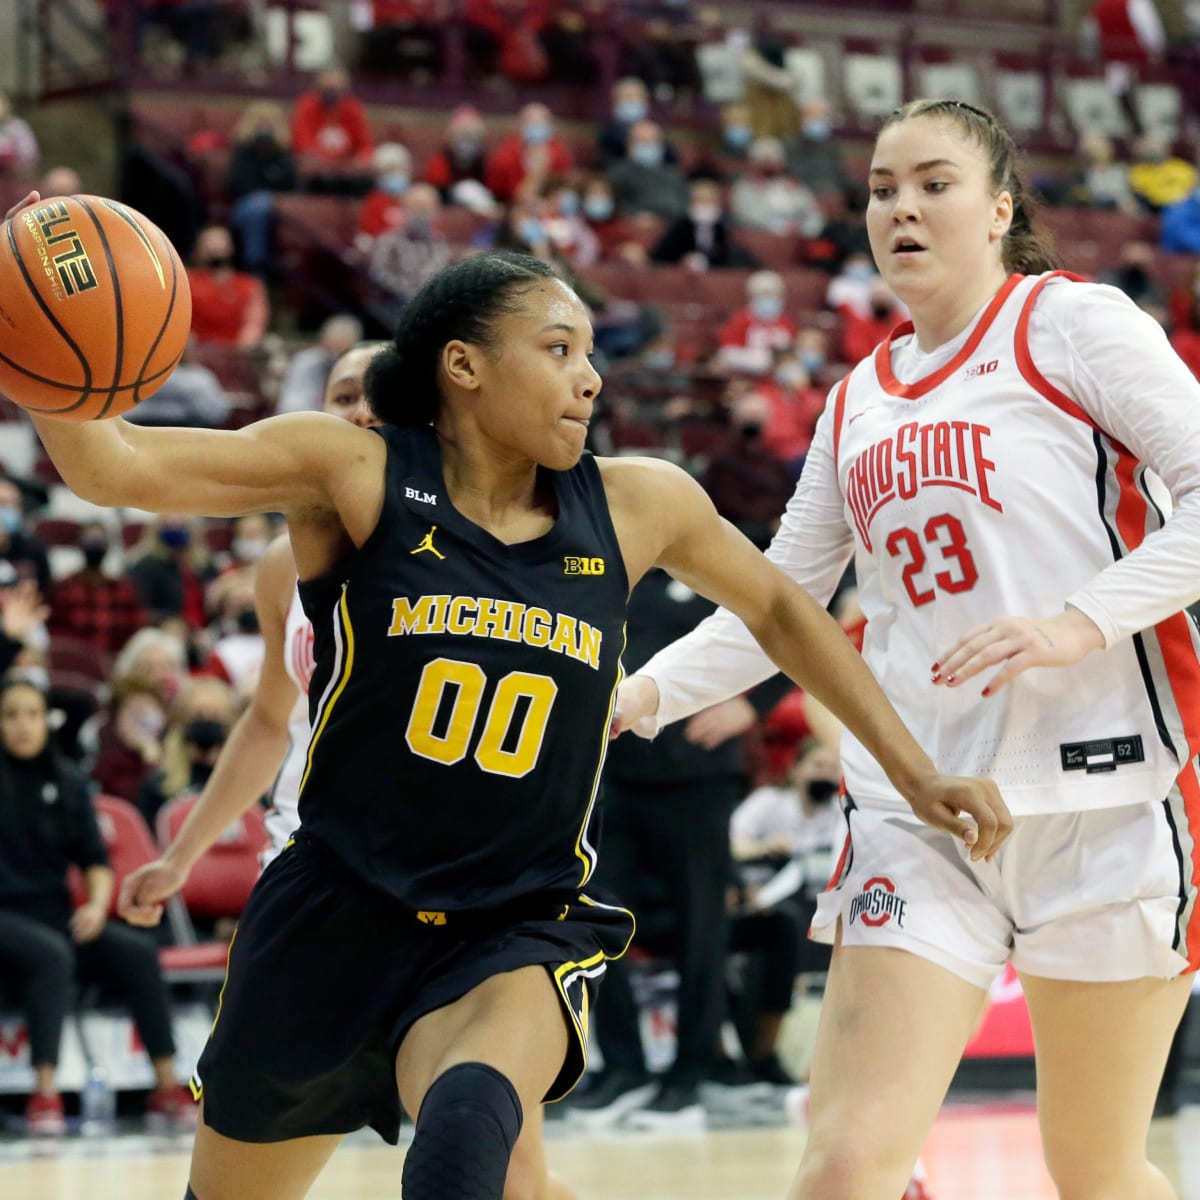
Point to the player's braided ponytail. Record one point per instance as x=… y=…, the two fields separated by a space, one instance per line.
x=1025 y=250
x=460 y=303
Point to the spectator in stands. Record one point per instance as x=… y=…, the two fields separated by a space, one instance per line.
x=569 y=233
x=813 y=156
x=737 y=134
x=630 y=104
x=793 y=406
x=47 y=824
x=462 y=155
x=60 y=181
x=169 y=567
x=851 y=288
x=845 y=231
x=812 y=348
x=191 y=395
x=18 y=546
x=237 y=655
x=613 y=232
x=702 y=237
x=752 y=335
x=129 y=743
x=198 y=724
x=304 y=384
x=331 y=135
x=92 y=605
x=403 y=259
x=643 y=181
x=260 y=164
x=383 y=209
x=1158 y=178
x=1128 y=34
x=1185 y=322
x=22 y=619
x=1101 y=182
x=661 y=46
x=749 y=485
x=534 y=152
x=862 y=332
x=1133 y=274
x=250 y=536
x=399 y=34
x=1179 y=228
x=770 y=89
x=503 y=35
x=157 y=656
x=19 y=151
x=765 y=197
x=229 y=307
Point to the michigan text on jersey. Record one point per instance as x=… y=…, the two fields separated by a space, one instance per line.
x=481 y=616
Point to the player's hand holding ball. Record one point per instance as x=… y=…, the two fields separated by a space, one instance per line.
x=95 y=307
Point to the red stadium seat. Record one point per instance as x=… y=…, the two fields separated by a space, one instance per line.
x=78 y=657
x=220 y=882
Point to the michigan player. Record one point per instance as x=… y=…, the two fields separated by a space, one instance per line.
x=272 y=736
x=1005 y=453
x=429 y=937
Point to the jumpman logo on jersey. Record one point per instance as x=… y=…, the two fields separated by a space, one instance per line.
x=426 y=543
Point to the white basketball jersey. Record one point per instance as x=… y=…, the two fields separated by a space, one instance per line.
x=1003 y=474
x=283 y=817
x=983 y=461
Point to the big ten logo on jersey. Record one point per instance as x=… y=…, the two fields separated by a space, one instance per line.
x=573 y=565
x=420 y=495
x=983 y=368
x=61 y=253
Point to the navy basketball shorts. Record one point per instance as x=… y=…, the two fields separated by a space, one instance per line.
x=327 y=974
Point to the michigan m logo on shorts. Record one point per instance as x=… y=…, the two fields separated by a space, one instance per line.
x=582 y=566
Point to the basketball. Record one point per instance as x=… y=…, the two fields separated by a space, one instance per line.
x=95 y=308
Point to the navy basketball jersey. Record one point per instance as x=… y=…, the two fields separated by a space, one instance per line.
x=463 y=692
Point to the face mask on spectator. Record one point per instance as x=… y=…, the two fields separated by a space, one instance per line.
x=151 y=723
x=175 y=538
x=247 y=621
x=821 y=791
x=705 y=214
x=659 y=360
x=789 y=375
x=395 y=183
x=881 y=310
x=530 y=231
x=249 y=549
x=649 y=154
x=767 y=308
x=465 y=148
x=859 y=270
x=204 y=733
x=330 y=96
x=568 y=203
x=628 y=111
x=813 y=361
x=598 y=207
x=738 y=137
x=818 y=128
x=536 y=133
x=418 y=226
x=10 y=518
x=94 y=552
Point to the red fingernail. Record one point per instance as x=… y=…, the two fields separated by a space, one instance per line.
x=936 y=678
x=935 y=666
x=949 y=678
x=987 y=691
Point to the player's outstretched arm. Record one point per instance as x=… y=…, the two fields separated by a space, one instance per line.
x=673 y=520
x=247 y=763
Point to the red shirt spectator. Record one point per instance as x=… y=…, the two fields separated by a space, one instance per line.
x=753 y=334
x=793 y=409
x=383 y=209
x=533 y=150
x=96 y=608
x=331 y=125
x=462 y=154
x=229 y=307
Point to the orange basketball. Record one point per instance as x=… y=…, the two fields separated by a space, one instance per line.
x=95 y=308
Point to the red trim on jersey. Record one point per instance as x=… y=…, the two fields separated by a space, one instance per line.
x=1189 y=788
x=839 y=411
x=914 y=391
x=836 y=877
x=1032 y=375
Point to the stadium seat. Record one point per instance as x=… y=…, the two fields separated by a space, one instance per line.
x=1021 y=98
x=808 y=66
x=873 y=84
x=721 y=72
x=130 y=845
x=1158 y=107
x=1092 y=106
x=56 y=531
x=66 y=653
x=221 y=881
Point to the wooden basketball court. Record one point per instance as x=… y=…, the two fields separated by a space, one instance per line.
x=985 y=1151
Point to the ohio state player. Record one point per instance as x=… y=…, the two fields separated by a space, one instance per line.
x=1029 y=445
